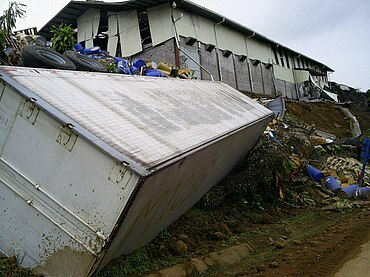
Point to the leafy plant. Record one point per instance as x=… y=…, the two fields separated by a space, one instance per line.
x=7 y=23
x=111 y=68
x=63 y=38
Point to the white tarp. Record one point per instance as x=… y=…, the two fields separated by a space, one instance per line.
x=88 y=26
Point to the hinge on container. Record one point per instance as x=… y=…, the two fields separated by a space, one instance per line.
x=30 y=111
x=67 y=138
x=118 y=172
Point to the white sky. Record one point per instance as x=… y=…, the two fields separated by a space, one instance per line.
x=334 y=32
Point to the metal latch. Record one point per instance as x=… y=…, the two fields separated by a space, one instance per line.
x=118 y=173
x=67 y=138
x=30 y=111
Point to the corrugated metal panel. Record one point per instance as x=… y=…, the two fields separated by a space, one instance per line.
x=283 y=73
x=150 y=120
x=129 y=33
x=259 y=50
x=161 y=28
x=228 y=39
x=88 y=25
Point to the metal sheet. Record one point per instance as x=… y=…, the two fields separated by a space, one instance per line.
x=151 y=120
x=129 y=33
x=169 y=193
x=160 y=23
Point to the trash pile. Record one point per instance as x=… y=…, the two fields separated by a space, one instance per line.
x=347 y=178
x=134 y=67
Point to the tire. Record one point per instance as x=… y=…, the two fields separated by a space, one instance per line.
x=38 y=56
x=84 y=63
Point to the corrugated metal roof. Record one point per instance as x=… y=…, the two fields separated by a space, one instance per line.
x=149 y=120
x=74 y=9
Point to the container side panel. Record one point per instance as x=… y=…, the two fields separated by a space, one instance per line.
x=9 y=105
x=168 y=194
x=31 y=237
x=150 y=120
x=77 y=179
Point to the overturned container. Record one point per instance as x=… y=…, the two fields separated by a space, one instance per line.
x=95 y=165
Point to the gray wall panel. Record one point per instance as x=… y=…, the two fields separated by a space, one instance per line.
x=242 y=75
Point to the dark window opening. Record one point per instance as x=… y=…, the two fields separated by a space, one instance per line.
x=276 y=56
x=145 y=35
x=281 y=58
x=287 y=59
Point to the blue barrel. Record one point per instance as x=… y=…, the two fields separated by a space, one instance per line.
x=348 y=192
x=315 y=174
x=363 y=193
x=332 y=184
x=153 y=73
x=92 y=50
x=78 y=48
x=134 y=70
x=139 y=63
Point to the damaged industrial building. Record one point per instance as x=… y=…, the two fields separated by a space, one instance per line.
x=184 y=34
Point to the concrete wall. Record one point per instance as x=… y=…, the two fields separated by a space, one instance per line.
x=227 y=69
x=257 y=78
x=161 y=53
x=287 y=89
x=268 y=80
x=242 y=75
x=209 y=61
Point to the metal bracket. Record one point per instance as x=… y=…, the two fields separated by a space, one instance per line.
x=118 y=173
x=30 y=111
x=67 y=138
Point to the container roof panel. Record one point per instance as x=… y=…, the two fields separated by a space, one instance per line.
x=150 y=120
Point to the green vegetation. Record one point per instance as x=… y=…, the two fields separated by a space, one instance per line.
x=63 y=38
x=7 y=23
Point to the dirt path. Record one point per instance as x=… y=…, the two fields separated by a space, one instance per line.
x=317 y=251
x=358 y=266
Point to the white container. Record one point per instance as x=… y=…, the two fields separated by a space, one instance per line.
x=93 y=166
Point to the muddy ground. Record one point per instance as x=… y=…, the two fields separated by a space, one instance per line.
x=292 y=225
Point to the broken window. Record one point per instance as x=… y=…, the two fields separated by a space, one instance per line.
x=287 y=59
x=281 y=58
x=276 y=56
x=146 y=38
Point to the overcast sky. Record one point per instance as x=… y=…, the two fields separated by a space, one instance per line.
x=334 y=32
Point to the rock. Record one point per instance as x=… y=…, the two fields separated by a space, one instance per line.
x=223 y=228
x=279 y=245
x=183 y=237
x=267 y=219
x=175 y=271
x=199 y=264
x=274 y=264
x=220 y=236
x=179 y=247
x=297 y=242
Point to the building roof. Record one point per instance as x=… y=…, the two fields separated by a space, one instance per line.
x=75 y=9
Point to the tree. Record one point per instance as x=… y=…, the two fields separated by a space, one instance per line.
x=7 y=23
